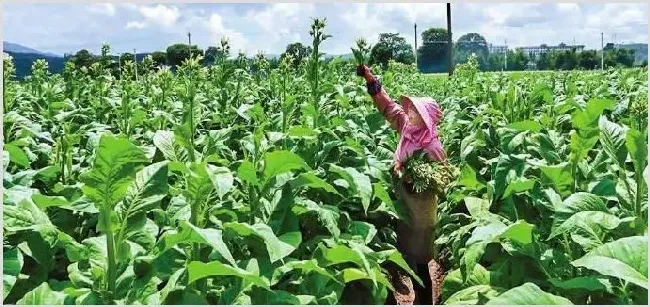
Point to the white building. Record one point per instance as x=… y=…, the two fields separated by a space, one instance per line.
x=497 y=48
x=535 y=51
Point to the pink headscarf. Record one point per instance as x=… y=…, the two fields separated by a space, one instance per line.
x=413 y=138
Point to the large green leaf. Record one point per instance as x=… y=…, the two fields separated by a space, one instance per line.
x=508 y=168
x=112 y=173
x=527 y=125
x=625 y=258
x=246 y=172
x=221 y=178
x=40 y=243
x=612 y=136
x=519 y=185
x=305 y=266
x=588 y=118
x=48 y=175
x=282 y=217
x=363 y=230
x=17 y=155
x=15 y=194
x=174 y=282
x=197 y=270
x=626 y=192
x=191 y=234
x=310 y=180
x=575 y=203
x=165 y=141
x=26 y=215
x=199 y=183
x=344 y=254
x=327 y=215
x=45 y=201
x=148 y=188
x=276 y=248
x=395 y=257
x=468 y=178
x=281 y=161
x=471 y=258
x=528 y=294
x=559 y=176
x=352 y=274
x=12 y=264
x=486 y=233
x=359 y=182
x=42 y=295
x=581 y=143
x=637 y=145
x=520 y=232
x=453 y=281
x=472 y=295
x=479 y=208
x=589 y=283
x=380 y=192
x=586 y=220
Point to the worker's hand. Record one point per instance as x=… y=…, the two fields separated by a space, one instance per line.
x=398 y=169
x=363 y=70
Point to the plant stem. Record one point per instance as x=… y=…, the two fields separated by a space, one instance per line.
x=192 y=128
x=567 y=247
x=110 y=248
x=639 y=185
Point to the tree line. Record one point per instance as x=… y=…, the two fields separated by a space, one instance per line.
x=431 y=55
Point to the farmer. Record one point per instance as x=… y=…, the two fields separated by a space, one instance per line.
x=416 y=121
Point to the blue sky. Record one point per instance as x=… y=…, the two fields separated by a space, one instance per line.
x=269 y=27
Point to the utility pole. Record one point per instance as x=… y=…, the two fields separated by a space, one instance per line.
x=135 y=63
x=189 y=43
x=450 y=48
x=415 y=35
x=602 y=53
x=505 y=53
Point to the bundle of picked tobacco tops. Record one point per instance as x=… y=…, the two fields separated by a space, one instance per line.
x=422 y=175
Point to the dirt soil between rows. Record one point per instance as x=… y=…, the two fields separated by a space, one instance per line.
x=409 y=292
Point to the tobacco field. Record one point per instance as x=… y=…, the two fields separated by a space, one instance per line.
x=241 y=184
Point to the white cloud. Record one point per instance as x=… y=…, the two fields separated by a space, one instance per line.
x=413 y=11
x=280 y=15
x=270 y=27
x=135 y=25
x=129 y=6
x=569 y=8
x=162 y=15
x=618 y=15
x=102 y=8
x=515 y=15
x=278 y=25
x=363 y=21
x=217 y=30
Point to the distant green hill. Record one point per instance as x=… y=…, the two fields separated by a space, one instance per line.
x=16 y=48
x=23 y=63
x=23 y=57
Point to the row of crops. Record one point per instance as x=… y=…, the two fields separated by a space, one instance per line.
x=238 y=184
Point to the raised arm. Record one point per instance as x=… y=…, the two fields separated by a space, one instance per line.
x=392 y=111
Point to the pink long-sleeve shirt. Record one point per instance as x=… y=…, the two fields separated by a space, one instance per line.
x=412 y=137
